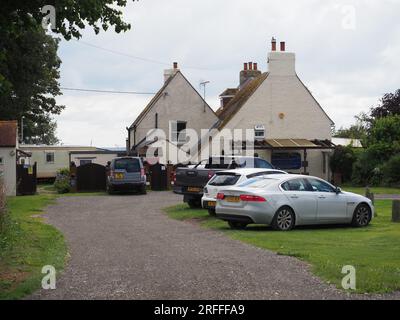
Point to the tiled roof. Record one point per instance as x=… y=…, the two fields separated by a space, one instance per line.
x=8 y=133
x=240 y=99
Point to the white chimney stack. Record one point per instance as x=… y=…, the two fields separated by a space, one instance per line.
x=170 y=72
x=281 y=63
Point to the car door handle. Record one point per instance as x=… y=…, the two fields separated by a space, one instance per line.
x=294 y=197
x=321 y=197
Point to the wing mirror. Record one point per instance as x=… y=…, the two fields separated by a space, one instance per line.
x=338 y=190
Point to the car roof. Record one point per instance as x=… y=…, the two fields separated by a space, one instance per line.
x=245 y=171
x=289 y=176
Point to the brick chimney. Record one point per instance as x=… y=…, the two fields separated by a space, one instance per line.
x=170 y=72
x=273 y=44
x=281 y=63
x=248 y=73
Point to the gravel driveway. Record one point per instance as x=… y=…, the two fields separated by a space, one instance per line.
x=125 y=247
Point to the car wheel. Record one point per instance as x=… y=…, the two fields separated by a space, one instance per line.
x=362 y=216
x=211 y=212
x=284 y=219
x=237 y=225
x=194 y=204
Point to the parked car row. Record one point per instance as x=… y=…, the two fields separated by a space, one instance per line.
x=243 y=191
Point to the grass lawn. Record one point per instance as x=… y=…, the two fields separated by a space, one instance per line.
x=375 y=190
x=374 y=251
x=26 y=245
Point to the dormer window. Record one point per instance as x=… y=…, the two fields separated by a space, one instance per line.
x=259 y=132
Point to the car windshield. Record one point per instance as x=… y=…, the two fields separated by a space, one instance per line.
x=129 y=165
x=224 y=180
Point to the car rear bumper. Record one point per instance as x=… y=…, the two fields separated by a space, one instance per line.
x=235 y=217
x=126 y=185
x=206 y=202
x=254 y=213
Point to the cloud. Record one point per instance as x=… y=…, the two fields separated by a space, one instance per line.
x=347 y=69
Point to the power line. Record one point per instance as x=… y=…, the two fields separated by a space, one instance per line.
x=136 y=57
x=107 y=91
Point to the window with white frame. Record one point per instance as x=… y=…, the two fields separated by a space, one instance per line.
x=177 y=131
x=49 y=157
x=259 y=132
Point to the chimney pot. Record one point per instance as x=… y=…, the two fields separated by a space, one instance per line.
x=245 y=66
x=273 y=43
x=250 y=65
x=175 y=65
x=283 y=46
x=255 y=66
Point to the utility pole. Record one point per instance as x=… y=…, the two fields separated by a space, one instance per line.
x=204 y=83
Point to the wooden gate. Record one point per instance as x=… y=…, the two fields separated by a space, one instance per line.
x=91 y=177
x=159 y=178
x=26 y=179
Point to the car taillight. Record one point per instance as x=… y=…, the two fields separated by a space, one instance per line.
x=210 y=174
x=111 y=173
x=251 y=198
x=174 y=176
x=220 y=196
x=142 y=172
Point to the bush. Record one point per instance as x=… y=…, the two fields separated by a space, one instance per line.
x=391 y=170
x=342 y=161
x=62 y=183
x=366 y=170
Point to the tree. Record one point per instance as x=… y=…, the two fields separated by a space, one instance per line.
x=342 y=161
x=29 y=66
x=355 y=131
x=389 y=106
x=31 y=70
x=71 y=15
x=382 y=143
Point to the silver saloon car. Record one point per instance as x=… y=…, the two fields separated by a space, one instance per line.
x=286 y=201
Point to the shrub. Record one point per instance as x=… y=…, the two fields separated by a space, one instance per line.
x=342 y=161
x=366 y=170
x=62 y=183
x=391 y=170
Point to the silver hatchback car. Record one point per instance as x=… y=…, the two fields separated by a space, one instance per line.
x=286 y=201
x=126 y=174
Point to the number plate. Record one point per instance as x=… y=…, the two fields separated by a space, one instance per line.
x=119 y=176
x=211 y=203
x=193 y=189
x=232 y=199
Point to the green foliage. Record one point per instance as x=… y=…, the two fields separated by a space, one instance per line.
x=356 y=131
x=382 y=143
x=342 y=161
x=391 y=170
x=31 y=69
x=370 y=250
x=26 y=245
x=29 y=65
x=63 y=183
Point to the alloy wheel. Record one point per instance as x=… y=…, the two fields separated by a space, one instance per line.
x=284 y=219
x=362 y=215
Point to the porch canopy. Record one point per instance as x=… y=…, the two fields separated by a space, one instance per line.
x=293 y=144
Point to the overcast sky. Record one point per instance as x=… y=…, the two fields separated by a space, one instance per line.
x=347 y=53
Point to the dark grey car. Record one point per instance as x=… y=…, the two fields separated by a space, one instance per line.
x=126 y=174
